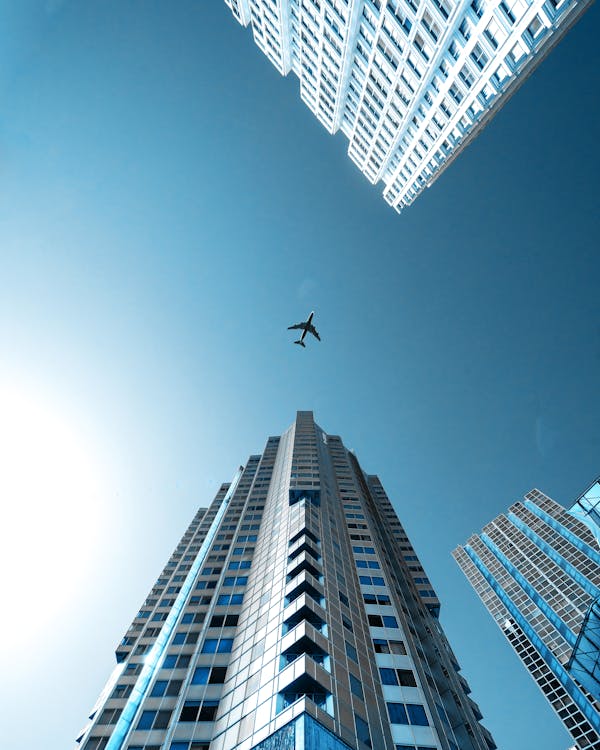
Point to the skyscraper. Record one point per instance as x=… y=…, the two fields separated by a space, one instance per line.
x=293 y=614
x=537 y=570
x=409 y=82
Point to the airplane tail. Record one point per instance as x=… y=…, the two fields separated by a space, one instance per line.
x=300 y=342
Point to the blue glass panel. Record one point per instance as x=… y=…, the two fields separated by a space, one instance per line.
x=417 y=715
x=283 y=739
x=313 y=736
x=356 y=687
x=587 y=509
x=362 y=730
x=305 y=496
x=210 y=646
x=159 y=688
x=305 y=733
x=397 y=713
x=388 y=676
x=351 y=652
x=584 y=664
x=146 y=720
x=200 y=676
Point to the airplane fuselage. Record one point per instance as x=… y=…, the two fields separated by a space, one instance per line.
x=307 y=325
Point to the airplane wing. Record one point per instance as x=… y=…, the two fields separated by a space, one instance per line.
x=298 y=325
x=314 y=332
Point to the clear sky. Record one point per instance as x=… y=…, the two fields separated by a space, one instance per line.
x=167 y=207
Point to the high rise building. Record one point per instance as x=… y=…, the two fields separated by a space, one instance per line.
x=537 y=570
x=293 y=614
x=409 y=82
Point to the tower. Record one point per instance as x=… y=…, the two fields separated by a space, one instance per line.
x=294 y=614
x=537 y=571
x=410 y=83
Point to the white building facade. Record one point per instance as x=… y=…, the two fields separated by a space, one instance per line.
x=409 y=82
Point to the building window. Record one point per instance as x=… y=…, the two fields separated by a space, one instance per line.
x=217 y=675
x=351 y=652
x=109 y=716
x=305 y=687
x=479 y=57
x=388 y=676
x=397 y=713
x=367 y=564
x=235 y=581
x=230 y=599
x=122 y=691
x=223 y=621
x=407 y=713
x=154 y=720
x=238 y=565
x=96 y=743
x=159 y=689
x=356 y=687
x=217 y=646
x=371 y=580
x=199 y=711
x=362 y=730
x=406 y=678
x=200 y=676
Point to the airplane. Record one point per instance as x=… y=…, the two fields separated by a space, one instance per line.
x=307 y=327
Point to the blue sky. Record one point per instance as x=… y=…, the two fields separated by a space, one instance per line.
x=167 y=207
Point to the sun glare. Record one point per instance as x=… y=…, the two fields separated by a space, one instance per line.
x=49 y=490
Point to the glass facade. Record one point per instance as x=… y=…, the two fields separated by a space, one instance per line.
x=587 y=509
x=584 y=663
x=294 y=614
x=303 y=733
x=409 y=82
x=537 y=570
